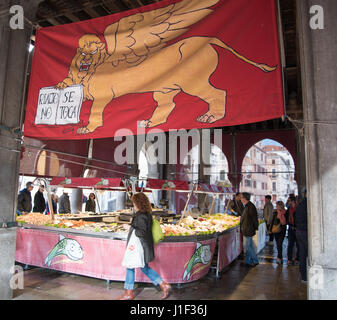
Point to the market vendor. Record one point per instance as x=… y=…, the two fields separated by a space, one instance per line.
x=25 y=199
x=90 y=205
x=236 y=205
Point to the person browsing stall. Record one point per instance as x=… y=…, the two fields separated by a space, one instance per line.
x=25 y=200
x=39 y=200
x=248 y=226
x=140 y=248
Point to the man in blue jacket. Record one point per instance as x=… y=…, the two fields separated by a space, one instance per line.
x=25 y=200
x=301 y=226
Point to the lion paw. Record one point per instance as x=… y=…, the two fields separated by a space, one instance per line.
x=61 y=85
x=208 y=117
x=83 y=130
x=145 y=124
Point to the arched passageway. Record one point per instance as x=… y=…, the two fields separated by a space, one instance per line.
x=268 y=168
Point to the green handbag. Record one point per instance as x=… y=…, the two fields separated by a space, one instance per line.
x=157 y=234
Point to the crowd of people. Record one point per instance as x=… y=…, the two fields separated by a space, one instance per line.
x=289 y=218
x=40 y=203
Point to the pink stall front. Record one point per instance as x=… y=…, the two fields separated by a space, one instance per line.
x=178 y=259
x=101 y=256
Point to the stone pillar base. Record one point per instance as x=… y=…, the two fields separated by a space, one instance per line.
x=322 y=282
x=7 y=261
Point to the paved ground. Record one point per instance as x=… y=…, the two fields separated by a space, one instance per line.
x=266 y=281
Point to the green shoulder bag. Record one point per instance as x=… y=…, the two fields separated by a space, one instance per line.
x=157 y=234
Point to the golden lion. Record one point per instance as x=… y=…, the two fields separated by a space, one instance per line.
x=137 y=61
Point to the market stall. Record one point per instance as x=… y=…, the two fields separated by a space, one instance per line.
x=96 y=249
x=229 y=242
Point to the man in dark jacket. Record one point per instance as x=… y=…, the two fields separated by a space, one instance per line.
x=302 y=235
x=25 y=200
x=39 y=201
x=248 y=225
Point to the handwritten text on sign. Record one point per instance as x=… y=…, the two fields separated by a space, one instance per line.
x=59 y=106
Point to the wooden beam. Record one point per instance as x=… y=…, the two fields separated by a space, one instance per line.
x=91 y=12
x=71 y=16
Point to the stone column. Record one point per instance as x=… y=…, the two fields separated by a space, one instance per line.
x=13 y=71
x=300 y=164
x=318 y=48
x=204 y=166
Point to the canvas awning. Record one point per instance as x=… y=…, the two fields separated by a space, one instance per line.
x=211 y=188
x=158 y=184
x=88 y=183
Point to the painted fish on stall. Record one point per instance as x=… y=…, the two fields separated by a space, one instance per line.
x=65 y=246
x=202 y=254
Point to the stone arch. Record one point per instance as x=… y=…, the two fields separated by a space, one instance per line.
x=244 y=141
x=268 y=169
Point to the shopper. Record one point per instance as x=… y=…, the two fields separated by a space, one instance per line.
x=290 y=215
x=64 y=203
x=90 y=205
x=141 y=225
x=248 y=226
x=268 y=211
x=25 y=199
x=39 y=201
x=236 y=204
x=279 y=220
x=302 y=235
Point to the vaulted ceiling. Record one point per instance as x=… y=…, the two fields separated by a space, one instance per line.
x=56 y=12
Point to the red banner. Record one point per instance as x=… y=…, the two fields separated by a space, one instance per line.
x=170 y=65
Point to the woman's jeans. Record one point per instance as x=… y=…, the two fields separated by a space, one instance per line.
x=250 y=250
x=150 y=273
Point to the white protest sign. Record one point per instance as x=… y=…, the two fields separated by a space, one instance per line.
x=70 y=104
x=47 y=106
x=59 y=107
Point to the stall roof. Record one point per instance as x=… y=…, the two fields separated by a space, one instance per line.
x=88 y=183
x=158 y=184
x=211 y=188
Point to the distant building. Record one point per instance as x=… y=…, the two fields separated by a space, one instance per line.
x=268 y=170
x=254 y=174
x=281 y=168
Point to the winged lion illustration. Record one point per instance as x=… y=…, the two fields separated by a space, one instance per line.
x=137 y=59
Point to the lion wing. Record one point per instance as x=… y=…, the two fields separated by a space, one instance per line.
x=134 y=37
